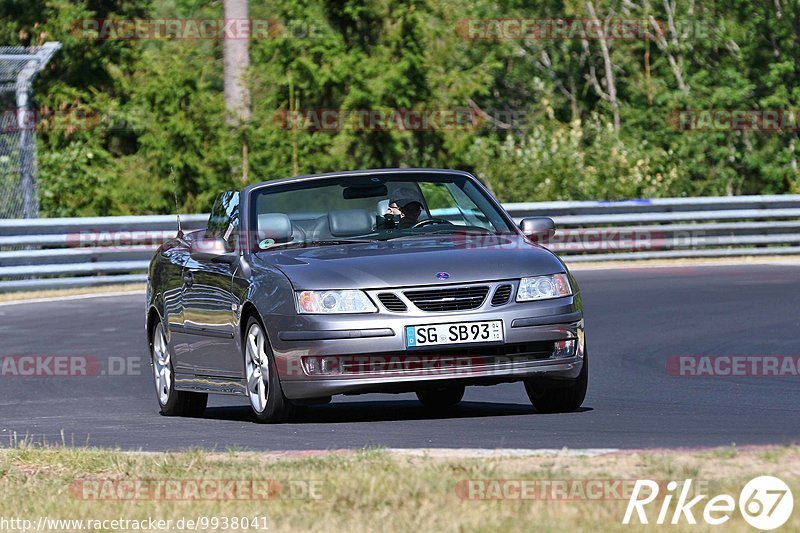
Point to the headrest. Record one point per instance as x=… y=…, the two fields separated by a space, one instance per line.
x=383 y=207
x=350 y=222
x=276 y=226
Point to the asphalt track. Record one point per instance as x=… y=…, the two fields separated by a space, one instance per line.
x=636 y=320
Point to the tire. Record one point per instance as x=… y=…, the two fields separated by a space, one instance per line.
x=442 y=397
x=559 y=395
x=266 y=396
x=170 y=401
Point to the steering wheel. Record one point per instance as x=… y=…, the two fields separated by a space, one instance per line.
x=429 y=222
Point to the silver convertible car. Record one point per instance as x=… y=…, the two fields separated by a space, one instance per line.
x=401 y=280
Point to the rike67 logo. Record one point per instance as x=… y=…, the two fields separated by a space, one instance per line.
x=766 y=503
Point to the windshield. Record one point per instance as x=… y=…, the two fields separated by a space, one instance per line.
x=372 y=207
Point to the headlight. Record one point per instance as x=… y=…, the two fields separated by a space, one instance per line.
x=316 y=302
x=543 y=287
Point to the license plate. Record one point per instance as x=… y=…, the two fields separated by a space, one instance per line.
x=455 y=333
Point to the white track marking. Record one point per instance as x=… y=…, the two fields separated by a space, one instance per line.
x=575 y=267
x=503 y=452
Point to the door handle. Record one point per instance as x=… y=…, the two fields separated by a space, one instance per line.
x=188 y=278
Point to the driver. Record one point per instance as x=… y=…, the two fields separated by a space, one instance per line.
x=407 y=209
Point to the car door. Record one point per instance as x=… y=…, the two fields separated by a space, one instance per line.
x=172 y=290
x=208 y=302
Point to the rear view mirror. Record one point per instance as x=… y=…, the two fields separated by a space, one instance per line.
x=211 y=249
x=370 y=191
x=542 y=228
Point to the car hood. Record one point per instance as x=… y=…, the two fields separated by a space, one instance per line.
x=411 y=261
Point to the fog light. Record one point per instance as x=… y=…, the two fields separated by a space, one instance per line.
x=321 y=365
x=564 y=348
x=312 y=365
x=330 y=365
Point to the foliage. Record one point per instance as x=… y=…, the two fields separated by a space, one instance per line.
x=547 y=107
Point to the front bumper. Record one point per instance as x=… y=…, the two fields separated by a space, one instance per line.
x=380 y=337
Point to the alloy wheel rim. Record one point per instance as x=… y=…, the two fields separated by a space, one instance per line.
x=162 y=369
x=257 y=364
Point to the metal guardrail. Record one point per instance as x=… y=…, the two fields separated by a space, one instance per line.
x=50 y=253
x=78 y=252
x=671 y=228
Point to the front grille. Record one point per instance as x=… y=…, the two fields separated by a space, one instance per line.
x=392 y=302
x=501 y=295
x=458 y=299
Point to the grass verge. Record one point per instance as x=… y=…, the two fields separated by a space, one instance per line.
x=78 y=291
x=363 y=490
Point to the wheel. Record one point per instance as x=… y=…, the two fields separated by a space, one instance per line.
x=446 y=396
x=263 y=385
x=172 y=402
x=558 y=395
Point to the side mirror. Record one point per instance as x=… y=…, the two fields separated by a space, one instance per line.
x=211 y=249
x=541 y=228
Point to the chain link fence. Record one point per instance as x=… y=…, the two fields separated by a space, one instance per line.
x=19 y=65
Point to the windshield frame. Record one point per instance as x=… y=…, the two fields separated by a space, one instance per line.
x=250 y=193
